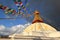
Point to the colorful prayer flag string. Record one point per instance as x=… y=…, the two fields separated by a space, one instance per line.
x=7 y=10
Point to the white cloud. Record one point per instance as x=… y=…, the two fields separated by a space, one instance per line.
x=2 y=27
x=14 y=29
x=19 y=28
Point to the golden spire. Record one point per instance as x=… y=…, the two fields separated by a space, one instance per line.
x=37 y=17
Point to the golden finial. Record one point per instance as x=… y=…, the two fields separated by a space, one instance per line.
x=37 y=17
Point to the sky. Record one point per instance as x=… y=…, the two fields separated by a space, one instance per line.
x=49 y=11
x=3 y=15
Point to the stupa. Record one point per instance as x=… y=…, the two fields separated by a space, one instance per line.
x=38 y=25
x=38 y=30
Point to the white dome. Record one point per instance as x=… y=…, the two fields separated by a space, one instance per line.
x=38 y=27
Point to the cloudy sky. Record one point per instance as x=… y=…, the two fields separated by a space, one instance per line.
x=49 y=11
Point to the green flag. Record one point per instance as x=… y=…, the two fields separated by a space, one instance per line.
x=17 y=0
x=9 y=12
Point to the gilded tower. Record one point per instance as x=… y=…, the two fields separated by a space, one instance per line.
x=37 y=17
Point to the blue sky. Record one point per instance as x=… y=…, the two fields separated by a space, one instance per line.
x=7 y=22
x=49 y=11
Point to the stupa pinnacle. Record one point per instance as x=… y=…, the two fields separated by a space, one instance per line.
x=37 y=17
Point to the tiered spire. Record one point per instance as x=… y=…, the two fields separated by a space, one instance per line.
x=37 y=17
